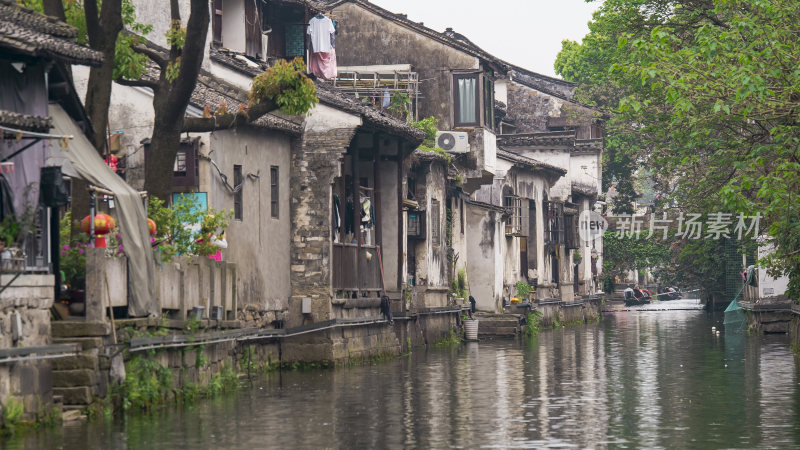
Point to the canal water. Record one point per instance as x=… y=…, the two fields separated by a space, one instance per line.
x=636 y=379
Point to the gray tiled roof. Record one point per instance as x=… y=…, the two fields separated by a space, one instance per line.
x=529 y=162
x=546 y=139
x=25 y=122
x=26 y=31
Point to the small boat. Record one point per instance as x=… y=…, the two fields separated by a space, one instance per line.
x=670 y=293
x=632 y=300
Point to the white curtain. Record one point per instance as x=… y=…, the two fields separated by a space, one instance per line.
x=466 y=100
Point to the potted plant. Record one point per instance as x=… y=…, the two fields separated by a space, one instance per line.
x=9 y=232
x=524 y=290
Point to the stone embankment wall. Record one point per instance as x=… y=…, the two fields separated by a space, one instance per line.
x=794 y=332
x=25 y=322
x=568 y=313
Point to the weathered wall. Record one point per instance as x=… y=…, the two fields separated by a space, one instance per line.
x=29 y=298
x=559 y=157
x=531 y=109
x=315 y=162
x=158 y=15
x=390 y=221
x=233 y=25
x=794 y=332
x=588 y=311
x=484 y=262
x=364 y=38
x=459 y=245
x=563 y=88
x=132 y=113
x=258 y=243
x=431 y=256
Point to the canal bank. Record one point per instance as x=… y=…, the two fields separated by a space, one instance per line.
x=114 y=365
x=636 y=379
x=139 y=363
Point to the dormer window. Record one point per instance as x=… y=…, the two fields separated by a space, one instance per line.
x=473 y=100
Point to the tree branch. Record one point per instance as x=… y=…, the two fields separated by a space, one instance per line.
x=54 y=8
x=139 y=83
x=191 y=58
x=230 y=120
x=156 y=56
x=92 y=21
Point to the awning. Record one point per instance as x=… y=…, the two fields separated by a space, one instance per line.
x=132 y=218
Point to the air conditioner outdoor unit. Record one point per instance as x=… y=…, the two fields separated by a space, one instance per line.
x=453 y=141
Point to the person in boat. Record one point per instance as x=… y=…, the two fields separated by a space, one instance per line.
x=628 y=292
x=638 y=293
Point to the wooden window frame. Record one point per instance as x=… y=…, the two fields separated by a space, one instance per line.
x=274 y=194
x=515 y=222
x=238 y=197
x=457 y=99
x=484 y=100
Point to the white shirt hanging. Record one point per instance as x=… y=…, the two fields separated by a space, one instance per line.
x=320 y=29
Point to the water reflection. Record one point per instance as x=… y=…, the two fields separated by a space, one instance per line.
x=637 y=379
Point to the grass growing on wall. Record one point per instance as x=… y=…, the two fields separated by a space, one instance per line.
x=452 y=339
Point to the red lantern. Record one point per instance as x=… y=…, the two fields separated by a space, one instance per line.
x=103 y=224
x=151 y=226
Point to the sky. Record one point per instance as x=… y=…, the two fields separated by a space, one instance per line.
x=526 y=33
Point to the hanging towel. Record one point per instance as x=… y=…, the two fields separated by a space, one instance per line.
x=337 y=218
x=387 y=100
x=323 y=65
x=349 y=216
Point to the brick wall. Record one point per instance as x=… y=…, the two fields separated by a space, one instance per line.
x=29 y=297
x=316 y=161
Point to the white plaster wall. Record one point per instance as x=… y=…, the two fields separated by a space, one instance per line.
x=777 y=285
x=389 y=223
x=259 y=243
x=501 y=90
x=459 y=237
x=562 y=189
x=584 y=168
x=233 y=26
x=324 y=118
x=157 y=14
x=131 y=112
x=231 y=76
x=484 y=262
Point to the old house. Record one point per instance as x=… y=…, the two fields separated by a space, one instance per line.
x=35 y=93
x=545 y=123
x=429 y=233
x=521 y=186
x=318 y=231
x=459 y=93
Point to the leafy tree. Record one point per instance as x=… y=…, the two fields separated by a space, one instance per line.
x=623 y=254
x=170 y=73
x=709 y=89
